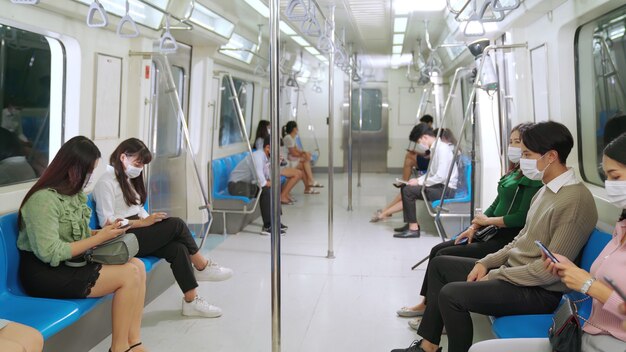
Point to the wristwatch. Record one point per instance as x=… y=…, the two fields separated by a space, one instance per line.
x=587 y=285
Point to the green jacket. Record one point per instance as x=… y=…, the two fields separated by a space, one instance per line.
x=515 y=214
x=50 y=222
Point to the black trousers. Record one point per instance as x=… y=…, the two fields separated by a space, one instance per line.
x=456 y=298
x=410 y=194
x=475 y=250
x=249 y=190
x=171 y=240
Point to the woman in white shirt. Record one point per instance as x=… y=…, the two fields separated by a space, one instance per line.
x=121 y=193
x=298 y=158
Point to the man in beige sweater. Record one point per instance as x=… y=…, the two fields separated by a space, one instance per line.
x=513 y=280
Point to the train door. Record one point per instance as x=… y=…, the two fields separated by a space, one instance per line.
x=167 y=173
x=370 y=129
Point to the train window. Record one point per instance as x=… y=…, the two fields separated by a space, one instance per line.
x=29 y=62
x=230 y=128
x=372 y=110
x=140 y=12
x=239 y=48
x=600 y=73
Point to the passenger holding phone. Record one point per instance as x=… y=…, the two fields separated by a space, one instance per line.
x=514 y=280
x=508 y=211
x=603 y=331
x=120 y=194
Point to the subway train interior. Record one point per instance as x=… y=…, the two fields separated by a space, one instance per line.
x=193 y=79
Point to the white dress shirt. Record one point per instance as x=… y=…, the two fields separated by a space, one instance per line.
x=440 y=160
x=110 y=204
x=244 y=171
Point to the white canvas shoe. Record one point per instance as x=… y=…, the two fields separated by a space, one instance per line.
x=200 y=308
x=213 y=272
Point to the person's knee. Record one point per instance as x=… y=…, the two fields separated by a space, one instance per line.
x=141 y=267
x=451 y=296
x=131 y=275
x=35 y=342
x=11 y=346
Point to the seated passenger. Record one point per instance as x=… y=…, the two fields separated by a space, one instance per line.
x=243 y=182
x=297 y=158
x=603 y=330
x=294 y=175
x=13 y=164
x=433 y=182
x=54 y=227
x=414 y=158
x=508 y=212
x=121 y=193
x=514 y=280
x=396 y=204
x=15 y=337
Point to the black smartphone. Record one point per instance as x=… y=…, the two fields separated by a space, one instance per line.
x=546 y=251
x=463 y=241
x=615 y=288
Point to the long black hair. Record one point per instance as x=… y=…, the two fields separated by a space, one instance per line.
x=68 y=171
x=131 y=187
x=616 y=150
x=262 y=130
x=288 y=128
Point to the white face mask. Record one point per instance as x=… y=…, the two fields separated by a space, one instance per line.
x=616 y=191
x=530 y=170
x=514 y=154
x=421 y=148
x=132 y=171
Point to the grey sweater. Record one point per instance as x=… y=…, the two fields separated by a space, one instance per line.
x=563 y=221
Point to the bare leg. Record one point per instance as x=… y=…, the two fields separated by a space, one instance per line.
x=124 y=281
x=190 y=295
x=134 y=335
x=397 y=207
x=289 y=185
x=307 y=170
x=397 y=199
x=199 y=261
x=410 y=161
x=305 y=177
x=19 y=338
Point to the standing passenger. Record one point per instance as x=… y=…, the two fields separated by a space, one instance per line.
x=120 y=194
x=54 y=227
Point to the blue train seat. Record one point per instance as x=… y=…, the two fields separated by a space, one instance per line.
x=221 y=169
x=464 y=190
x=537 y=325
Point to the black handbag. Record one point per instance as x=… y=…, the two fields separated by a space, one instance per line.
x=565 y=335
x=486 y=233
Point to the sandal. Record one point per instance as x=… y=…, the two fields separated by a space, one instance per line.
x=311 y=191
x=317 y=185
x=286 y=203
x=133 y=346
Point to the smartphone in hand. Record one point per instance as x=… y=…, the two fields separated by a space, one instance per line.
x=124 y=224
x=546 y=251
x=615 y=288
x=464 y=240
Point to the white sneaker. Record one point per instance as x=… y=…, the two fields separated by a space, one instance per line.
x=213 y=272
x=200 y=308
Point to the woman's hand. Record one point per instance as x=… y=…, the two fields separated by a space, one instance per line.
x=481 y=220
x=469 y=234
x=478 y=273
x=413 y=182
x=571 y=275
x=154 y=218
x=110 y=231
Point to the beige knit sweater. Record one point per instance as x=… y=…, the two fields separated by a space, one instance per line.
x=563 y=221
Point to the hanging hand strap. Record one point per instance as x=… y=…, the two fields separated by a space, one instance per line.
x=96 y=8
x=130 y=21
x=167 y=43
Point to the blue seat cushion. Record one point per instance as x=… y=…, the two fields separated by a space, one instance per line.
x=522 y=326
x=463 y=193
x=149 y=262
x=221 y=169
x=49 y=316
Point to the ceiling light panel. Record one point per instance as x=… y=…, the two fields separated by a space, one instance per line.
x=211 y=21
x=312 y=50
x=301 y=41
x=139 y=12
x=285 y=28
x=398 y=39
x=404 y=7
x=397 y=49
x=260 y=7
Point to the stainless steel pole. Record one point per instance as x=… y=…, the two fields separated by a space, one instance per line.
x=350 y=134
x=360 y=130
x=274 y=6
x=331 y=115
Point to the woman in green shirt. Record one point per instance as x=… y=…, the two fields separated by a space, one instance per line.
x=54 y=228
x=507 y=212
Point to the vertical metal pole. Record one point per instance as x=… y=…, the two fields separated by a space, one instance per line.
x=360 y=130
x=275 y=170
x=331 y=115
x=350 y=134
x=3 y=59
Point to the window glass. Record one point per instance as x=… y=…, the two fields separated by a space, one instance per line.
x=26 y=65
x=372 y=110
x=230 y=128
x=600 y=79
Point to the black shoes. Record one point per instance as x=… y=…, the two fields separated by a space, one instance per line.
x=401 y=228
x=408 y=234
x=416 y=346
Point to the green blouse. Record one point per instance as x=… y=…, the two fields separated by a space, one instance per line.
x=507 y=188
x=50 y=222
